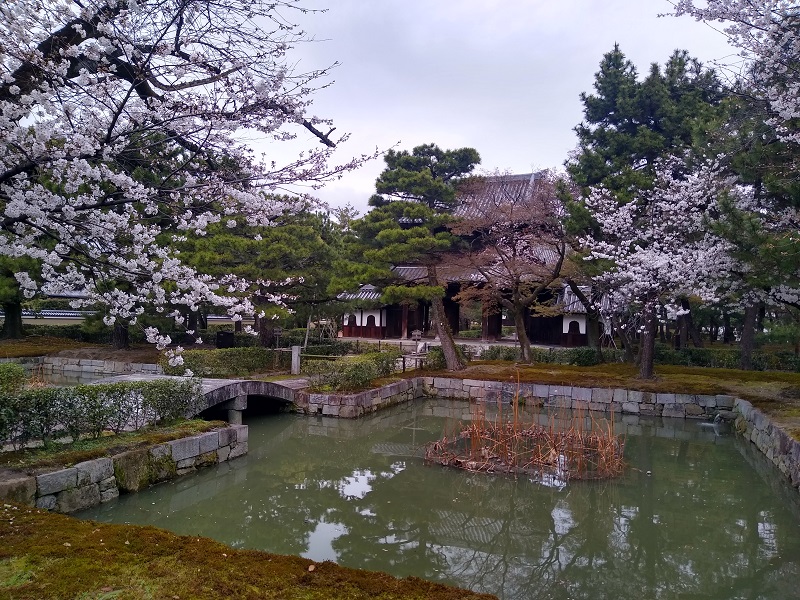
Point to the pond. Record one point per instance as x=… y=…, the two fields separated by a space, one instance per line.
x=712 y=520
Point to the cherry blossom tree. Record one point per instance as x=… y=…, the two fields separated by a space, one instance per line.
x=659 y=247
x=122 y=127
x=768 y=34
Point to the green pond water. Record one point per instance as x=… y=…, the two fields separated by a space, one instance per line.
x=711 y=521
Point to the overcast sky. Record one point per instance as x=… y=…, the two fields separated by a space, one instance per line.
x=502 y=76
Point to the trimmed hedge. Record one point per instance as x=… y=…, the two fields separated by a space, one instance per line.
x=230 y=362
x=44 y=413
x=351 y=372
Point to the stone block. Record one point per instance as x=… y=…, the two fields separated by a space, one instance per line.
x=581 y=394
x=725 y=401
x=581 y=405
x=694 y=410
x=161 y=451
x=477 y=392
x=349 y=412
x=706 y=401
x=185 y=448
x=663 y=398
x=630 y=408
x=93 y=471
x=223 y=453
x=330 y=411
x=602 y=395
x=20 y=489
x=209 y=442
x=674 y=410
x=109 y=494
x=226 y=436
x=107 y=484
x=653 y=410
x=185 y=464
x=131 y=469
x=540 y=391
x=241 y=432
x=684 y=399
x=239 y=450
x=621 y=396
x=560 y=390
x=206 y=459
x=635 y=396
x=46 y=502
x=79 y=498
x=52 y=483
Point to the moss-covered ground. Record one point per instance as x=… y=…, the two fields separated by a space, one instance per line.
x=37 y=346
x=45 y=555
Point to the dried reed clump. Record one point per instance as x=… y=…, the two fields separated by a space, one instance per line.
x=564 y=449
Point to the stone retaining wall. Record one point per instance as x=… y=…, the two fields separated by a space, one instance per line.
x=77 y=367
x=776 y=444
x=92 y=482
x=575 y=397
x=557 y=396
x=351 y=406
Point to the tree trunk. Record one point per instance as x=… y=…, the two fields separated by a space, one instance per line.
x=647 y=345
x=191 y=321
x=119 y=337
x=691 y=328
x=237 y=326
x=624 y=338
x=308 y=330
x=522 y=335
x=748 y=339
x=441 y=327
x=12 y=326
x=727 y=334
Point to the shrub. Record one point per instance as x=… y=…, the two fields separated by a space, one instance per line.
x=230 y=362
x=170 y=400
x=509 y=353
x=38 y=414
x=352 y=372
x=12 y=378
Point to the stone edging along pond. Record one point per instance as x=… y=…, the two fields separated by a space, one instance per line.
x=100 y=480
x=95 y=481
x=775 y=443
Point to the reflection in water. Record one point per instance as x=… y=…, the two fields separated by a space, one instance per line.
x=705 y=524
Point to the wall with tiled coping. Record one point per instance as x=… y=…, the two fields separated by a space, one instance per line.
x=775 y=443
x=95 y=481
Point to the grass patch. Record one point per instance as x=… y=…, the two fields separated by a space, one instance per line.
x=46 y=555
x=37 y=346
x=58 y=455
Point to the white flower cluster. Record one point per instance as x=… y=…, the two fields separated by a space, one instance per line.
x=768 y=34
x=120 y=128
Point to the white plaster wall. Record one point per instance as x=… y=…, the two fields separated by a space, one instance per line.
x=581 y=319
x=379 y=314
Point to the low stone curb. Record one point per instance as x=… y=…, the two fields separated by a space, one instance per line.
x=100 y=480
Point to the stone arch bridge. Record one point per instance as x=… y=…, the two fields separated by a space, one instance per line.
x=229 y=394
